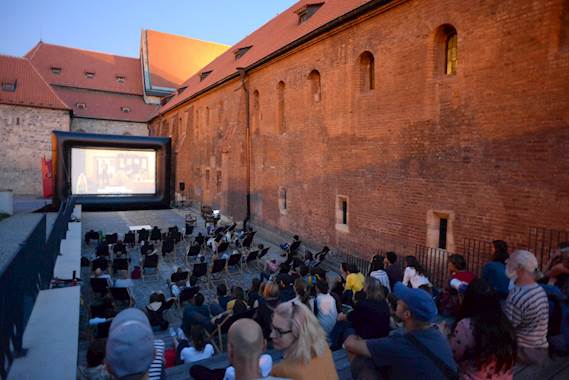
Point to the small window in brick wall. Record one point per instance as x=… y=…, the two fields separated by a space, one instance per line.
x=81 y=106
x=440 y=230
x=121 y=78
x=218 y=181
x=9 y=86
x=342 y=213
x=55 y=70
x=89 y=74
x=283 y=202
x=207 y=179
x=125 y=109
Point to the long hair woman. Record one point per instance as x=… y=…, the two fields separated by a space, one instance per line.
x=484 y=341
x=296 y=331
x=414 y=274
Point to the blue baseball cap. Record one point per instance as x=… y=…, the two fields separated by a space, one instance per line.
x=419 y=302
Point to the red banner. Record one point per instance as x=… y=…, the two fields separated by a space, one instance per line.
x=47 y=178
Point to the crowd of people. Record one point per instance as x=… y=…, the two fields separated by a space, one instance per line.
x=393 y=322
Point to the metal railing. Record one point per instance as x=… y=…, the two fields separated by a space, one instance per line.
x=29 y=272
x=542 y=241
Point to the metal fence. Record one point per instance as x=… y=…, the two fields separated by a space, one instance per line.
x=29 y=272
x=542 y=241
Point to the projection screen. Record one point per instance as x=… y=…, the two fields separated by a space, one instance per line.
x=96 y=171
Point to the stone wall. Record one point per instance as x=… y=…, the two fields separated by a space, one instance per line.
x=26 y=138
x=485 y=149
x=109 y=127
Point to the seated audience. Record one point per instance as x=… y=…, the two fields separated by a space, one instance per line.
x=302 y=294
x=420 y=352
x=271 y=267
x=414 y=274
x=253 y=292
x=355 y=280
x=325 y=307
x=237 y=295
x=147 y=248
x=297 y=333
x=483 y=342
x=101 y=263
x=100 y=274
x=119 y=248
x=157 y=304
x=196 y=313
x=95 y=369
x=392 y=268
x=222 y=300
x=459 y=276
x=527 y=308
x=378 y=272
x=123 y=281
x=494 y=272
x=199 y=349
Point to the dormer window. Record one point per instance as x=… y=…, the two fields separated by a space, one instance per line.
x=204 y=74
x=89 y=74
x=120 y=78
x=181 y=89
x=81 y=106
x=306 y=11
x=55 y=70
x=241 y=52
x=125 y=109
x=9 y=86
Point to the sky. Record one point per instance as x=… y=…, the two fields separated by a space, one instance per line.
x=113 y=26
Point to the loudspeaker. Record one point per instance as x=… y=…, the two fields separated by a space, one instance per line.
x=182 y=186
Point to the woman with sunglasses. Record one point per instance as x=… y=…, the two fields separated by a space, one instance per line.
x=296 y=331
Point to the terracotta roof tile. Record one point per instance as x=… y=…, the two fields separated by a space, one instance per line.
x=31 y=89
x=106 y=105
x=274 y=35
x=74 y=63
x=172 y=59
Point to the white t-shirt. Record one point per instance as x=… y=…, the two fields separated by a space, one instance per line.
x=410 y=276
x=190 y=354
x=326 y=312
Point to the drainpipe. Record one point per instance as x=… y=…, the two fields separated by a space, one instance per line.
x=245 y=87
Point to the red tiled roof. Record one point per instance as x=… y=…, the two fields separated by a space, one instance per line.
x=274 y=35
x=74 y=63
x=31 y=89
x=106 y=105
x=172 y=59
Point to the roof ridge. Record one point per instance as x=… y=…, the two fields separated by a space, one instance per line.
x=188 y=38
x=14 y=56
x=89 y=50
x=30 y=54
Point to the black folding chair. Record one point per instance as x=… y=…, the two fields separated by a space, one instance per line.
x=151 y=262
x=122 y=295
x=222 y=328
x=167 y=246
x=101 y=263
x=102 y=249
x=222 y=247
x=217 y=267
x=130 y=239
x=155 y=234
x=193 y=252
x=262 y=254
x=120 y=264
x=234 y=262
x=179 y=276
x=251 y=257
x=99 y=286
x=200 y=271
x=246 y=244
x=91 y=235
x=143 y=235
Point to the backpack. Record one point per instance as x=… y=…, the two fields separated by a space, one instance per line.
x=136 y=273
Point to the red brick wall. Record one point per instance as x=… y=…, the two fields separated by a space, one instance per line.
x=489 y=144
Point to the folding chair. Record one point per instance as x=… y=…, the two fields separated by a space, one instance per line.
x=178 y=276
x=294 y=247
x=120 y=264
x=262 y=254
x=217 y=267
x=102 y=329
x=143 y=235
x=222 y=328
x=102 y=249
x=155 y=234
x=200 y=271
x=193 y=252
x=251 y=257
x=234 y=262
x=100 y=286
x=222 y=247
x=122 y=295
x=91 y=235
x=100 y=262
x=151 y=262
x=246 y=244
x=130 y=239
x=167 y=246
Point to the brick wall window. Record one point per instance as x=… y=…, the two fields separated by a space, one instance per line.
x=81 y=106
x=120 y=78
x=306 y=11
x=446 y=50
x=283 y=201
x=440 y=230
x=9 y=86
x=256 y=112
x=367 y=71
x=207 y=179
x=55 y=70
x=89 y=74
x=315 y=86
x=342 y=213
x=281 y=122
x=218 y=180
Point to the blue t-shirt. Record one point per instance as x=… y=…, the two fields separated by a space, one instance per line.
x=405 y=361
x=495 y=274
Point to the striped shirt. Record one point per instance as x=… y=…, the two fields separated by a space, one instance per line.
x=527 y=308
x=156 y=370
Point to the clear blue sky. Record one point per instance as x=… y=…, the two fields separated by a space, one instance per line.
x=114 y=26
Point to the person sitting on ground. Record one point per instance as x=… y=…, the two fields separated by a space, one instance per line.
x=267 y=305
x=422 y=343
x=200 y=348
x=325 y=307
x=484 y=341
x=196 y=313
x=299 y=335
x=132 y=352
x=157 y=305
x=355 y=280
x=460 y=278
x=414 y=274
x=494 y=272
x=392 y=268
x=377 y=271
x=95 y=369
x=302 y=294
x=119 y=248
x=527 y=308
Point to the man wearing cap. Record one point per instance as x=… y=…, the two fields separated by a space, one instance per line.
x=131 y=348
x=421 y=351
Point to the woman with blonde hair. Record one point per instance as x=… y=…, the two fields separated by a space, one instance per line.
x=296 y=331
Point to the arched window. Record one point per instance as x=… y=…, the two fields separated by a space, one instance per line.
x=367 y=71
x=281 y=123
x=446 y=50
x=315 y=87
x=256 y=112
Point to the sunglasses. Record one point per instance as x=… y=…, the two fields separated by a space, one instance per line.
x=279 y=332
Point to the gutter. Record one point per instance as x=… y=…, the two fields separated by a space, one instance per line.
x=350 y=16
